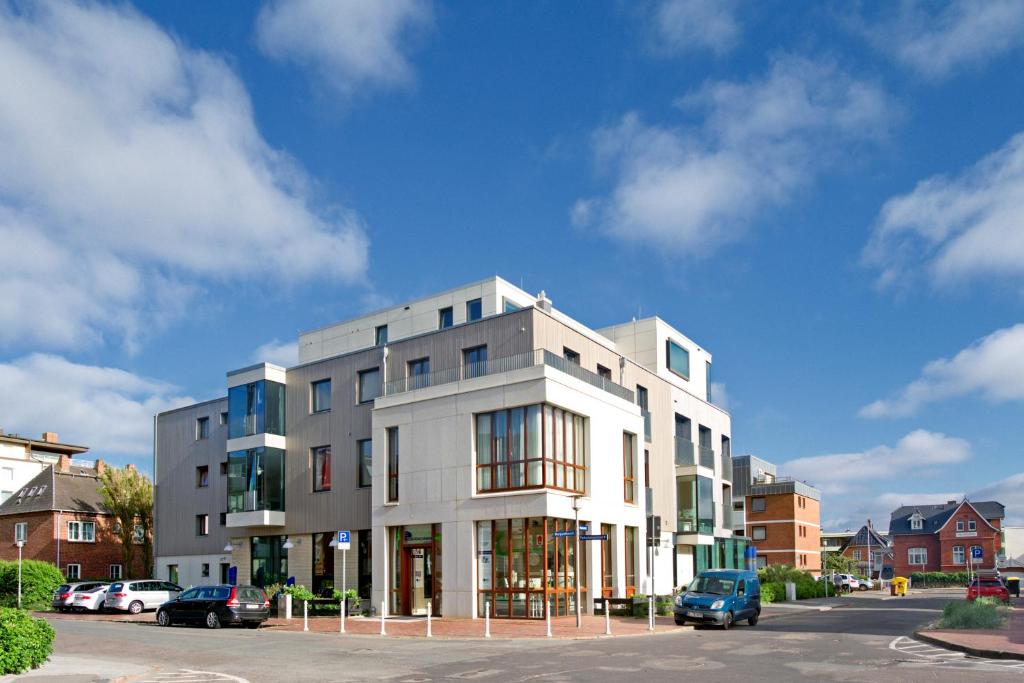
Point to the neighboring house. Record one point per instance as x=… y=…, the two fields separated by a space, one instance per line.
x=22 y=458
x=60 y=516
x=834 y=541
x=453 y=436
x=943 y=537
x=784 y=523
x=870 y=550
x=746 y=471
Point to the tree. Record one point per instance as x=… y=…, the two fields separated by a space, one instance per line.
x=128 y=495
x=840 y=564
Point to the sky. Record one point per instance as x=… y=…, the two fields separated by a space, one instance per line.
x=828 y=196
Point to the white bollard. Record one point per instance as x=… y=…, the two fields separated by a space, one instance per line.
x=287 y=606
x=430 y=612
x=305 y=615
x=487 y=620
x=342 y=608
x=650 y=615
x=382 y=631
x=607 y=619
x=547 y=617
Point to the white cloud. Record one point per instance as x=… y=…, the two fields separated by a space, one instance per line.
x=1009 y=492
x=285 y=354
x=132 y=175
x=680 y=26
x=691 y=190
x=107 y=409
x=959 y=228
x=350 y=43
x=992 y=367
x=922 y=452
x=937 y=39
x=853 y=511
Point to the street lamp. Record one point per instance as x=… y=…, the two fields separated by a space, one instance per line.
x=577 y=502
x=287 y=545
x=229 y=548
x=20 y=544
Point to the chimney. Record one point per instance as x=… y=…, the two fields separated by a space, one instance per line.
x=64 y=463
x=50 y=437
x=869 y=523
x=100 y=466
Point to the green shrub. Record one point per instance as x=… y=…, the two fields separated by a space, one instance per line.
x=662 y=605
x=938 y=579
x=25 y=642
x=38 y=582
x=983 y=613
x=773 y=591
x=298 y=593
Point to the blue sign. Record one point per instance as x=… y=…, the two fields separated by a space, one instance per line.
x=233 y=576
x=593 y=537
x=344 y=537
x=751 y=552
x=564 y=534
x=976 y=552
x=584 y=527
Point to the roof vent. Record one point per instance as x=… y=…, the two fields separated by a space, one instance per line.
x=543 y=302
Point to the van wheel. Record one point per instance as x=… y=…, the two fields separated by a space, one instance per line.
x=727 y=621
x=135 y=607
x=680 y=621
x=163 y=618
x=753 y=620
x=212 y=620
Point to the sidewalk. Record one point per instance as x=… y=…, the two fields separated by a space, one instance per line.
x=1005 y=643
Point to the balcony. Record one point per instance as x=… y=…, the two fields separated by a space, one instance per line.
x=684 y=452
x=254 y=513
x=496 y=366
x=707 y=457
x=725 y=464
x=647 y=424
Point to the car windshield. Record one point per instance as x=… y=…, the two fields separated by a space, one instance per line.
x=63 y=588
x=96 y=589
x=713 y=585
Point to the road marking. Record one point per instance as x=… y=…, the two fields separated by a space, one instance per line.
x=950 y=659
x=190 y=676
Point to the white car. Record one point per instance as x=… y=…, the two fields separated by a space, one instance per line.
x=136 y=596
x=92 y=600
x=865 y=584
x=847 y=582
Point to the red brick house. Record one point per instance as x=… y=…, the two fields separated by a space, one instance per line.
x=868 y=548
x=60 y=516
x=942 y=537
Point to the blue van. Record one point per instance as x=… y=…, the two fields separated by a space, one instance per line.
x=721 y=597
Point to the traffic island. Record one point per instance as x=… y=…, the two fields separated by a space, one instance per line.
x=1006 y=642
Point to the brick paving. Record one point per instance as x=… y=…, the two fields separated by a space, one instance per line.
x=1007 y=642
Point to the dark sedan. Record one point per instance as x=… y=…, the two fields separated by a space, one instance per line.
x=216 y=606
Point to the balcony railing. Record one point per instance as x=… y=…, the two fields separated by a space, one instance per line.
x=647 y=424
x=496 y=366
x=725 y=463
x=684 y=452
x=707 y=457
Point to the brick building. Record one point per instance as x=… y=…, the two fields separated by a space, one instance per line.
x=870 y=550
x=22 y=458
x=783 y=520
x=60 y=515
x=943 y=537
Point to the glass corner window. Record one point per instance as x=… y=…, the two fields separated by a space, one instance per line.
x=256 y=408
x=256 y=480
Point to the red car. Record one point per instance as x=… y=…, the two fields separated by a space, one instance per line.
x=988 y=588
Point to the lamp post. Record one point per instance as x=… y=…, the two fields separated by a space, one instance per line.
x=20 y=544
x=576 y=503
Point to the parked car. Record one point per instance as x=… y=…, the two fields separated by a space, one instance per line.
x=136 y=596
x=64 y=596
x=215 y=606
x=722 y=597
x=92 y=600
x=865 y=584
x=986 y=587
x=847 y=582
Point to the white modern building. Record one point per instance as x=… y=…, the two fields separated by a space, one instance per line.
x=22 y=458
x=459 y=437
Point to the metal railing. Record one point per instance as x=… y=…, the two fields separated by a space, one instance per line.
x=707 y=457
x=518 y=361
x=684 y=452
x=725 y=463
x=647 y=424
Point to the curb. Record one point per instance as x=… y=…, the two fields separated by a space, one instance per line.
x=973 y=651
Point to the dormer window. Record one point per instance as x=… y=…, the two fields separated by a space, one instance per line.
x=916 y=521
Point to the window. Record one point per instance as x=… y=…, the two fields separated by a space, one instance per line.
x=321 y=456
x=757 y=504
x=474 y=310
x=205 y=569
x=138 y=534
x=570 y=355
x=641 y=397
x=856 y=556
x=21 y=532
x=628 y=467
x=224 y=469
x=202 y=428
x=444 y=318
x=762 y=561
x=224 y=418
x=678 y=359
x=392 y=436
x=647 y=468
x=256 y=480
x=917 y=556
x=82 y=532
x=202 y=525
x=380 y=335
x=364 y=448
x=508 y=306
x=223 y=518
x=320 y=395
x=916 y=522
x=6 y=474
x=959 y=525
x=369 y=385
x=631 y=534
x=202 y=476
x=972 y=525
x=604 y=372
x=531 y=447
x=707 y=380
x=758 y=533
x=172 y=574
x=418 y=370
x=74 y=572
x=958 y=554
x=475 y=361
x=256 y=408
x=116 y=572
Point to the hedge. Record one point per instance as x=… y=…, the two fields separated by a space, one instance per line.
x=25 y=642
x=938 y=579
x=38 y=582
x=982 y=613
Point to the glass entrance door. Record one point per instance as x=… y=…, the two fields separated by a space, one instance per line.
x=419 y=570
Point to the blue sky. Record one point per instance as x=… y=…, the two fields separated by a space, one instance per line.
x=828 y=197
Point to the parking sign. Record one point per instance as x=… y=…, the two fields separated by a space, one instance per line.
x=976 y=552
x=344 y=540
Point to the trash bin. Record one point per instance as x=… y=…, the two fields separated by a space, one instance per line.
x=899 y=586
x=1013 y=585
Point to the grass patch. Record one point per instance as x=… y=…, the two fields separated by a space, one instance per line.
x=983 y=613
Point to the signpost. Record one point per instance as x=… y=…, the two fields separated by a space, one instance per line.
x=593 y=537
x=568 y=533
x=344 y=542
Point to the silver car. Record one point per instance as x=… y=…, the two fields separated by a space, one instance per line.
x=135 y=596
x=92 y=600
x=64 y=596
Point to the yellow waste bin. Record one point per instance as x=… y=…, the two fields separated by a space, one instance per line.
x=899 y=586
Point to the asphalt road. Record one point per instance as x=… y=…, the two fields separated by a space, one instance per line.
x=856 y=642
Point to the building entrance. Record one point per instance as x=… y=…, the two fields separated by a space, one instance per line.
x=416 y=577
